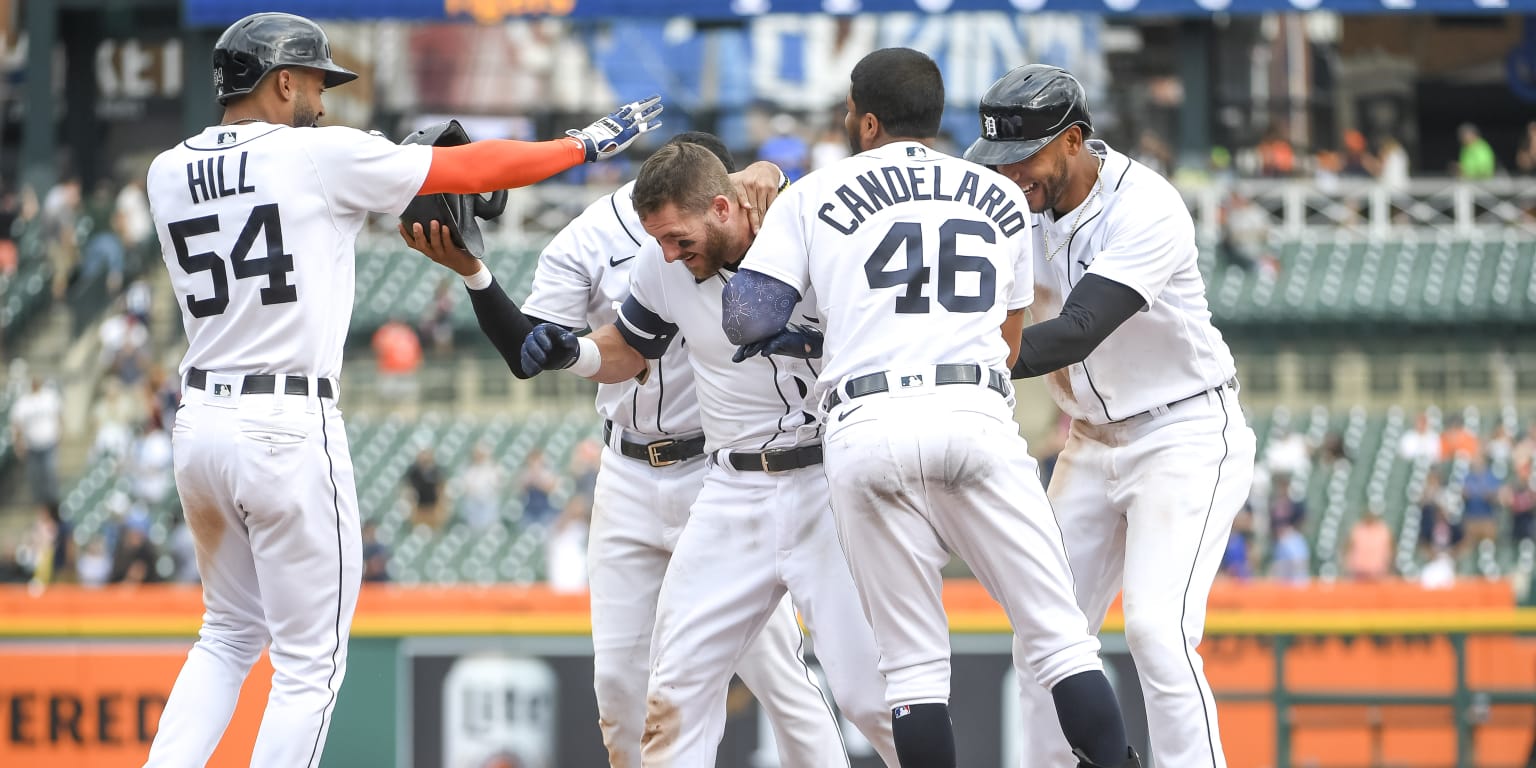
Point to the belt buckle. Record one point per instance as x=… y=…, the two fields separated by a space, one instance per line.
x=765 y=455
x=652 y=448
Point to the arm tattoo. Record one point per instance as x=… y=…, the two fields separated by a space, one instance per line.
x=756 y=306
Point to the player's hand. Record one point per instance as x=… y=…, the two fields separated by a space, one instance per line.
x=609 y=136
x=438 y=246
x=796 y=340
x=549 y=347
x=756 y=187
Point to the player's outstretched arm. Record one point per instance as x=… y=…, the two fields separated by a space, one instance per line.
x=602 y=356
x=487 y=166
x=756 y=306
x=501 y=320
x=1094 y=309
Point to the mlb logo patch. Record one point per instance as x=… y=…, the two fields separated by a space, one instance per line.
x=916 y=152
x=902 y=711
x=227 y=137
x=223 y=390
x=908 y=382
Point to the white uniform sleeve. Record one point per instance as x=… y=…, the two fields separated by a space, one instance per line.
x=1023 y=293
x=562 y=281
x=364 y=172
x=1143 y=248
x=780 y=250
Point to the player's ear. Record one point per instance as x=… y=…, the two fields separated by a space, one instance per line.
x=869 y=128
x=721 y=208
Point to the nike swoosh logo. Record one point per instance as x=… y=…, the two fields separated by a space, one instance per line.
x=613 y=263
x=847 y=413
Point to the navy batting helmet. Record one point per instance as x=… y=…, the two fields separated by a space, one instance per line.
x=262 y=42
x=1024 y=110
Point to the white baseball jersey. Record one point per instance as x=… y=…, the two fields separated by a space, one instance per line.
x=257 y=224
x=581 y=279
x=1137 y=232
x=914 y=250
x=757 y=404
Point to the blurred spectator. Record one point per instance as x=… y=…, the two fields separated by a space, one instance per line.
x=1287 y=453
x=481 y=487
x=375 y=555
x=149 y=465
x=1290 y=559
x=1393 y=171
x=426 y=482
x=1357 y=161
x=830 y=147
x=565 y=554
x=437 y=321
x=1480 y=494
x=1458 y=442
x=137 y=302
x=132 y=221
x=104 y=252
x=538 y=482
x=1476 y=160
x=1525 y=158
x=1439 y=572
x=1437 y=530
x=182 y=548
x=1237 y=559
x=1332 y=450
x=162 y=392
x=60 y=220
x=1286 y=507
x=1520 y=497
x=1420 y=443
x=1369 y=551
x=134 y=562
x=124 y=346
x=1050 y=449
x=50 y=545
x=1154 y=153
x=1524 y=452
x=10 y=211
x=94 y=567
x=112 y=417
x=785 y=148
x=1245 y=231
x=399 y=355
x=1276 y=156
x=35 y=425
x=584 y=463
x=1500 y=446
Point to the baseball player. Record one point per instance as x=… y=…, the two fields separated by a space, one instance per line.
x=653 y=466
x=760 y=524
x=1159 y=457
x=258 y=217
x=919 y=265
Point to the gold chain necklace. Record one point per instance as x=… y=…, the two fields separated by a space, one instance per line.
x=1045 y=232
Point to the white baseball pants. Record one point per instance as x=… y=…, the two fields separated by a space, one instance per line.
x=751 y=537
x=1148 y=504
x=919 y=474
x=266 y=485
x=638 y=514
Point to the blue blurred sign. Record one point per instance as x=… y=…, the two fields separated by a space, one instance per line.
x=220 y=12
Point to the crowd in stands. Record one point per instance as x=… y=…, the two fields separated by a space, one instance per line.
x=1476 y=489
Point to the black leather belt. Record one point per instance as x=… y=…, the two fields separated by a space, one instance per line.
x=777 y=459
x=1228 y=384
x=660 y=453
x=264 y=384
x=946 y=373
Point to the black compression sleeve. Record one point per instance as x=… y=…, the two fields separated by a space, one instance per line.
x=504 y=323
x=1095 y=308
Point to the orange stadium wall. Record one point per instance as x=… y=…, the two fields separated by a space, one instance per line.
x=83 y=674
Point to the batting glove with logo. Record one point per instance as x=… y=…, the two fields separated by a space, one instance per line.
x=609 y=136
x=549 y=347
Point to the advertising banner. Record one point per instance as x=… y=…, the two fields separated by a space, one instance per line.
x=98 y=704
